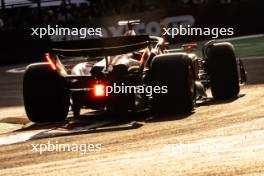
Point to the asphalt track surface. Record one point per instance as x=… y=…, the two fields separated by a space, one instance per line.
x=219 y=138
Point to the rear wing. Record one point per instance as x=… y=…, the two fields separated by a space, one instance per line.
x=100 y=47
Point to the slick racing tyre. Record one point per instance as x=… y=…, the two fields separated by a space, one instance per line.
x=45 y=96
x=222 y=69
x=176 y=72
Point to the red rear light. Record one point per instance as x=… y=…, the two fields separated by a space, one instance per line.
x=99 y=90
x=50 y=61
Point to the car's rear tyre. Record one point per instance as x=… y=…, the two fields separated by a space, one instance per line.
x=174 y=71
x=222 y=69
x=45 y=96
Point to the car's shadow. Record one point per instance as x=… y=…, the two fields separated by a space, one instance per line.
x=97 y=122
x=211 y=101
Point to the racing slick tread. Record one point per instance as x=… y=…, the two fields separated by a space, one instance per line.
x=174 y=71
x=45 y=96
x=222 y=69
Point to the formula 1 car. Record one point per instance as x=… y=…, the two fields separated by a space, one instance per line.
x=51 y=89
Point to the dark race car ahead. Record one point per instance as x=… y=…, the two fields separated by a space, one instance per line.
x=177 y=79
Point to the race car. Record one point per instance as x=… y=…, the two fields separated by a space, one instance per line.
x=52 y=89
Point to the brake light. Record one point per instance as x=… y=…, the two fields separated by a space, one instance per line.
x=49 y=60
x=99 y=90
